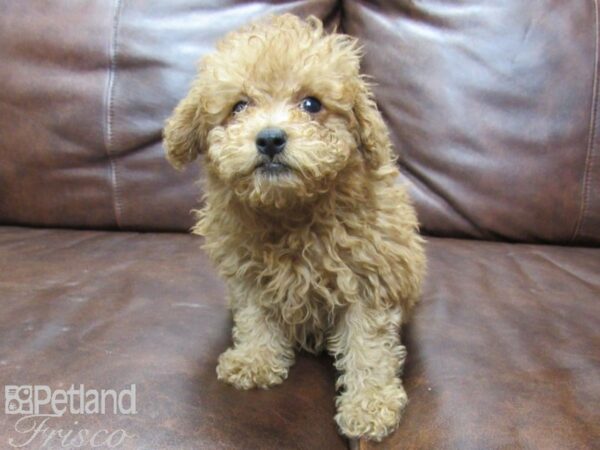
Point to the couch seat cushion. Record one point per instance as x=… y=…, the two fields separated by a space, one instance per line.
x=108 y=309
x=503 y=350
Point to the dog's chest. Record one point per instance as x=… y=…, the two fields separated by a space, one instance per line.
x=302 y=296
x=305 y=282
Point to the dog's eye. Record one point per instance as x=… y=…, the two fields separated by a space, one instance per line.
x=311 y=105
x=239 y=106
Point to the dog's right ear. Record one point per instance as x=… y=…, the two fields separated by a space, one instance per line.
x=184 y=132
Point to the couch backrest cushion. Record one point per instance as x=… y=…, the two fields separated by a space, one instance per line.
x=493 y=107
x=85 y=89
x=53 y=77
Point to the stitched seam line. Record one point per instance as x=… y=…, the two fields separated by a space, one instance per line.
x=108 y=137
x=586 y=185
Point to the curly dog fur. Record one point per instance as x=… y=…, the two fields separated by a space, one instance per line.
x=323 y=254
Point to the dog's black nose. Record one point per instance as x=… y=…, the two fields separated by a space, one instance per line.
x=271 y=141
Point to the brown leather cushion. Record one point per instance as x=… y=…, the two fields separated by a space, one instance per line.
x=493 y=108
x=110 y=309
x=86 y=88
x=503 y=350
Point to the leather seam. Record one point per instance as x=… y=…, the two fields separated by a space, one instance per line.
x=109 y=114
x=587 y=173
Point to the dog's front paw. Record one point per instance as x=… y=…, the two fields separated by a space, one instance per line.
x=372 y=412
x=248 y=368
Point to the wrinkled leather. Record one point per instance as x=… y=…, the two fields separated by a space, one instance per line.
x=53 y=70
x=86 y=88
x=493 y=109
x=502 y=351
x=108 y=309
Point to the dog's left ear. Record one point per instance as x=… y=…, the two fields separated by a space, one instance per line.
x=184 y=132
x=373 y=133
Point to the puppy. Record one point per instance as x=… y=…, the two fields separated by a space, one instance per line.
x=303 y=215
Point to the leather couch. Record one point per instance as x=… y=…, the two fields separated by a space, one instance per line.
x=493 y=109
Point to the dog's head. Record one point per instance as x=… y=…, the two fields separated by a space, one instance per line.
x=279 y=110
